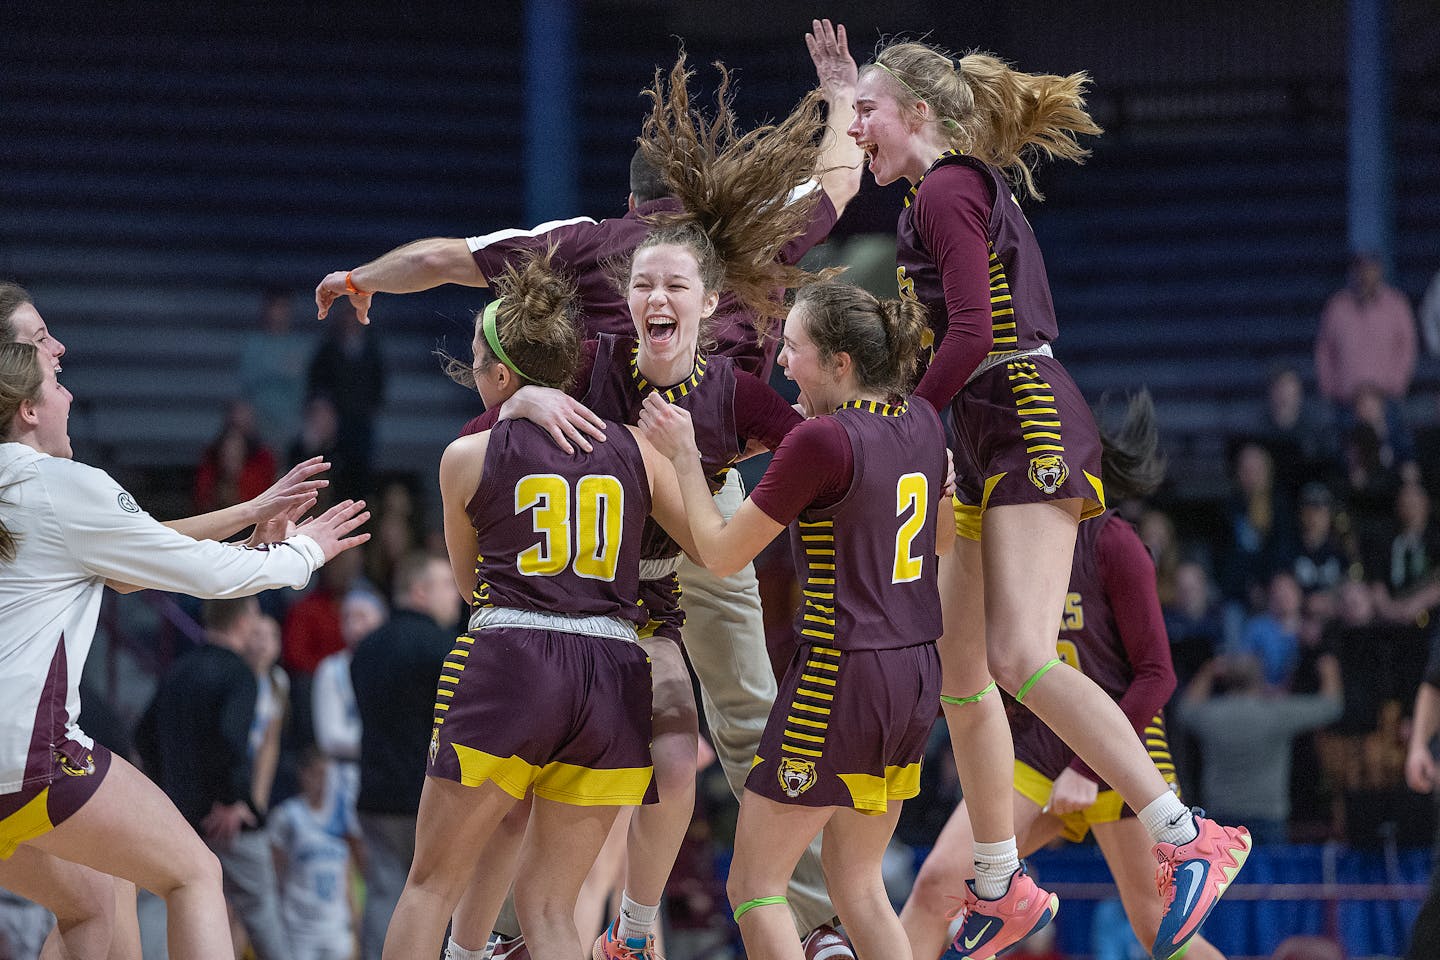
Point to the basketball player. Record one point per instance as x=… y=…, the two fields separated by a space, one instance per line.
x=556 y=604
x=861 y=485
x=1027 y=458
x=1113 y=631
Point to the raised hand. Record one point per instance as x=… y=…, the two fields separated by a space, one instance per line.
x=830 y=52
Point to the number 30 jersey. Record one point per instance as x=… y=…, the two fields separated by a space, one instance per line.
x=560 y=533
x=866 y=564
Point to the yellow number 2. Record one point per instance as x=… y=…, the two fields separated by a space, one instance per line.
x=911 y=493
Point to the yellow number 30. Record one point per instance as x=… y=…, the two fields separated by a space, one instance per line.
x=911 y=493
x=599 y=516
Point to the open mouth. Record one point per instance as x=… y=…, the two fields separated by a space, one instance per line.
x=869 y=150
x=660 y=329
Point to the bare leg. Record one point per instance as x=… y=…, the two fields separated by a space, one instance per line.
x=480 y=904
x=560 y=846
x=658 y=829
x=769 y=839
x=594 y=902
x=1027 y=553
x=979 y=732
x=454 y=821
x=132 y=830
x=853 y=851
x=83 y=901
x=1126 y=847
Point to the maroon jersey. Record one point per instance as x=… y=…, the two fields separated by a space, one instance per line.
x=866 y=563
x=591 y=250
x=1112 y=630
x=560 y=533
x=944 y=233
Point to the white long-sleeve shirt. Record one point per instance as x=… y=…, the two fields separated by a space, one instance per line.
x=75 y=528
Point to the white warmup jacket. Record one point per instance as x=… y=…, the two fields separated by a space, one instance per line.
x=75 y=528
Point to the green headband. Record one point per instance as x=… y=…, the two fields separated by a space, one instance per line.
x=487 y=324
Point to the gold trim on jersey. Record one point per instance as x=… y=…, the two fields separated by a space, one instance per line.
x=910 y=197
x=875 y=406
x=818 y=538
x=814 y=694
x=671 y=394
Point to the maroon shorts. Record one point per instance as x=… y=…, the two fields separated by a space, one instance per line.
x=1023 y=434
x=662 y=601
x=564 y=714
x=849 y=728
x=72 y=776
x=1041 y=756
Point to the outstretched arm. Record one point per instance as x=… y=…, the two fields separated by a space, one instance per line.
x=838 y=167
x=297 y=487
x=417 y=266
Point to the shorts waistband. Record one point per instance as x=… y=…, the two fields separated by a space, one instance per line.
x=994 y=361
x=660 y=568
x=609 y=628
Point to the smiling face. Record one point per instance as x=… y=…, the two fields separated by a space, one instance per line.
x=800 y=357
x=30 y=328
x=885 y=131
x=49 y=420
x=668 y=301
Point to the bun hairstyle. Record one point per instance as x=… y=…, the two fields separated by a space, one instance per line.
x=733 y=188
x=1131 y=463
x=991 y=111
x=536 y=315
x=882 y=337
x=12 y=298
x=21 y=380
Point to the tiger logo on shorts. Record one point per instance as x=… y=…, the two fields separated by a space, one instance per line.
x=72 y=769
x=797 y=776
x=1049 y=472
x=434 y=742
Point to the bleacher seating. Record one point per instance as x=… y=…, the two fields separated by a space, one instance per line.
x=154 y=181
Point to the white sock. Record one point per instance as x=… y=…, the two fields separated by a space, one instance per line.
x=453 y=951
x=995 y=863
x=1168 y=820
x=636 y=919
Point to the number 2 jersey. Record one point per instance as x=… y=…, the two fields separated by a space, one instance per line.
x=560 y=533
x=860 y=489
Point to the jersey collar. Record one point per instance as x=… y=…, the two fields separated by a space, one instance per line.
x=671 y=394
x=910 y=197
x=874 y=406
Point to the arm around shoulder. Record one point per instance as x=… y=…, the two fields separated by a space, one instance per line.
x=461 y=468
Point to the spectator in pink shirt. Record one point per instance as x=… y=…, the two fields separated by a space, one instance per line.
x=1367 y=337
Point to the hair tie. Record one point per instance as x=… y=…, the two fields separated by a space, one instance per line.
x=492 y=337
x=956 y=65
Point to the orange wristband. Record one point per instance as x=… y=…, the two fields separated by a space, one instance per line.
x=350 y=287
